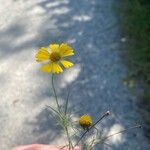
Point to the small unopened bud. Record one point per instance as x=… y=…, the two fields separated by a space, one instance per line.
x=108 y=113
x=140 y=126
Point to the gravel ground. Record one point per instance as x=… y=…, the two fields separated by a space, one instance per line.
x=96 y=80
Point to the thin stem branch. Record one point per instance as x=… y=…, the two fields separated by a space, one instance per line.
x=92 y=143
x=122 y=131
x=69 y=140
x=63 y=147
x=110 y=146
x=66 y=105
x=58 y=107
x=54 y=110
x=103 y=116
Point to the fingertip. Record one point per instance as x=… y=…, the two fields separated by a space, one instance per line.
x=77 y=148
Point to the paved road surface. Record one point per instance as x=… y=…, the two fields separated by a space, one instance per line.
x=96 y=80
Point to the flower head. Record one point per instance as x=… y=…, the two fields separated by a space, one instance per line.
x=55 y=54
x=85 y=121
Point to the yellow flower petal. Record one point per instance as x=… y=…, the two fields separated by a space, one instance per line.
x=42 y=54
x=54 y=47
x=46 y=68
x=56 y=68
x=66 y=64
x=66 y=50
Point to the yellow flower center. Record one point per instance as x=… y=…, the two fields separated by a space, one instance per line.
x=55 y=56
x=85 y=121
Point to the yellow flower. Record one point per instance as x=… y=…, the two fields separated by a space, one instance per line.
x=85 y=121
x=55 y=54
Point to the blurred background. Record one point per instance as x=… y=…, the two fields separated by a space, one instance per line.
x=111 y=72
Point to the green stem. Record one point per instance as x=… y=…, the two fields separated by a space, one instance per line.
x=58 y=107
x=69 y=140
x=59 y=114
x=59 y=111
x=66 y=105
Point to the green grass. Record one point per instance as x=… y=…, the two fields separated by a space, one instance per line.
x=135 y=19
